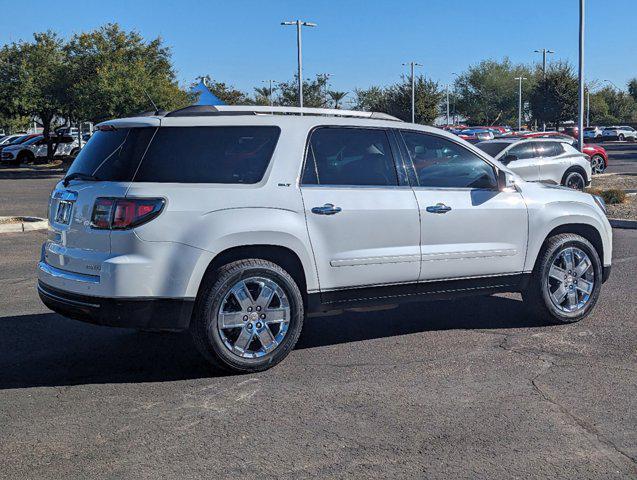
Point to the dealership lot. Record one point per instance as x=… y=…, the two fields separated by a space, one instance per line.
x=458 y=389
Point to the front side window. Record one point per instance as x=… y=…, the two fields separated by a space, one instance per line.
x=439 y=162
x=548 y=149
x=208 y=155
x=349 y=156
x=522 y=151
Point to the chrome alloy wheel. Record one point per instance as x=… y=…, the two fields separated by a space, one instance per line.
x=571 y=280
x=254 y=317
x=597 y=164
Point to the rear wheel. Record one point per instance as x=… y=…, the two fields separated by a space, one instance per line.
x=566 y=281
x=597 y=164
x=575 y=179
x=621 y=137
x=248 y=316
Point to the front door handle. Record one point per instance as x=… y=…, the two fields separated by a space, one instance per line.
x=327 y=209
x=438 y=208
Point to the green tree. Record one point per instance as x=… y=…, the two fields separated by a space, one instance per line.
x=314 y=92
x=632 y=88
x=396 y=99
x=112 y=73
x=620 y=106
x=226 y=93
x=336 y=97
x=487 y=93
x=33 y=80
x=554 y=98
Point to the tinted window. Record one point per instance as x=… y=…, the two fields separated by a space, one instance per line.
x=492 y=148
x=208 y=155
x=349 y=156
x=548 y=149
x=522 y=151
x=439 y=162
x=113 y=155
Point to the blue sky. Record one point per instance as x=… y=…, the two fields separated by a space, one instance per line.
x=359 y=42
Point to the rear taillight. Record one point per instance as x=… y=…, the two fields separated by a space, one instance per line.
x=124 y=213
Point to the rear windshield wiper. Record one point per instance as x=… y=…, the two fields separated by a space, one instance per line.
x=78 y=176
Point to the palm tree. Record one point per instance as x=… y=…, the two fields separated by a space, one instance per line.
x=336 y=97
x=262 y=95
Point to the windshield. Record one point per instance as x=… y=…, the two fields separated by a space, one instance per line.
x=492 y=148
x=113 y=155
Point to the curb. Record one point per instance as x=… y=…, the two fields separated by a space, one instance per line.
x=619 y=223
x=29 y=224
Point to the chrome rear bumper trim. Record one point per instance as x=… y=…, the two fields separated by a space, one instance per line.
x=66 y=275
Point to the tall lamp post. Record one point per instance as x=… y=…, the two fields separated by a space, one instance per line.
x=270 y=82
x=455 y=97
x=447 y=104
x=413 y=89
x=544 y=52
x=520 y=101
x=580 y=102
x=299 y=24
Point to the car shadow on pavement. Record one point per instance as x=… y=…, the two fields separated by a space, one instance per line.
x=49 y=350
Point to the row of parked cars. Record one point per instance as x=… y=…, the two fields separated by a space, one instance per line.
x=550 y=157
x=20 y=148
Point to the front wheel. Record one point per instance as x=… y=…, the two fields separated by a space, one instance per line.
x=621 y=137
x=566 y=281
x=248 y=316
x=597 y=164
x=574 y=179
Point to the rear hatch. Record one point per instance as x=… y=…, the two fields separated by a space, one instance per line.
x=104 y=168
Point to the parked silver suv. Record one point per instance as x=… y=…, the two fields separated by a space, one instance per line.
x=237 y=222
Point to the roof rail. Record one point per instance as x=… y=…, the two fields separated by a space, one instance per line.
x=210 y=110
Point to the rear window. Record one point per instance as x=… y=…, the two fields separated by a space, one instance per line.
x=492 y=148
x=209 y=154
x=113 y=155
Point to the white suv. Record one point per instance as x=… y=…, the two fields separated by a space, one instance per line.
x=237 y=225
x=619 y=133
x=542 y=160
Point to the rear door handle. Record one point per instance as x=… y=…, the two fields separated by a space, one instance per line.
x=327 y=209
x=438 y=208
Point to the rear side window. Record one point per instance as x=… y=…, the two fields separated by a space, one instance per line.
x=549 y=149
x=349 y=156
x=209 y=155
x=113 y=155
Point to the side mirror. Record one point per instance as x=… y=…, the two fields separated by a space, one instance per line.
x=509 y=158
x=504 y=180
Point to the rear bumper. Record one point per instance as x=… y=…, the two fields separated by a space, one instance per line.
x=145 y=313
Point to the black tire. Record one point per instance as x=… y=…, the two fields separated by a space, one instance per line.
x=575 y=178
x=620 y=137
x=203 y=326
x=74 y=152
x=537 y=295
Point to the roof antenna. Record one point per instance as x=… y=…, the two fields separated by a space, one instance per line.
x=153 y=103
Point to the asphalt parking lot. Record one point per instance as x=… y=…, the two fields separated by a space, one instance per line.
x=456 y=389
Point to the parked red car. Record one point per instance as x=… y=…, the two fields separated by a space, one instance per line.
x=598 y=155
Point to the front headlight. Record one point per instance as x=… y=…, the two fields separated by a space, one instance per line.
x=600 y=203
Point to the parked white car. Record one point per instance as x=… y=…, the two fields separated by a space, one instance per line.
x=237 y=225
x=36 y=147
x=619 y=133
x=593 y=133
x=542 y=160
x=7 y=139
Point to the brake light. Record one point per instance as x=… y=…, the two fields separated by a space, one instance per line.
x=124 y=213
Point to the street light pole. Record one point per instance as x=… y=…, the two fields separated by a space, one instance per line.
x=447 y=104
x=580 y=100
x=413 y=89
x=544 y=51
x=588 y=107
x=455 y=97
x=520 y=102
x=299 y=51
x=270 y=82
